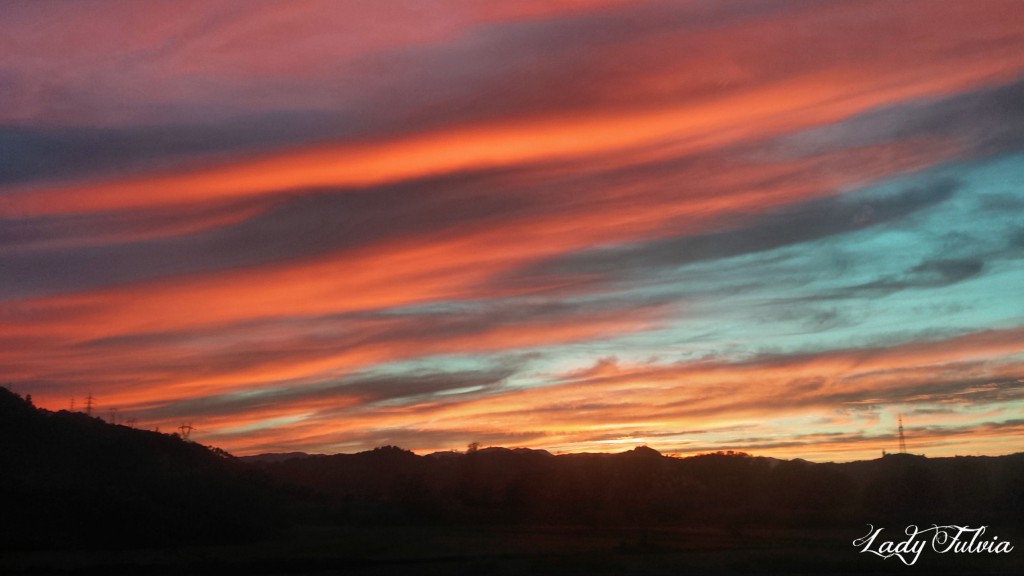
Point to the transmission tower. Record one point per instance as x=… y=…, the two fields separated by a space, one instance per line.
x=186 y=430
x=903 y=440
x=88 y=404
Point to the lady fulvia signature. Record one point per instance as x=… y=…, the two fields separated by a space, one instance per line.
x=943 y=539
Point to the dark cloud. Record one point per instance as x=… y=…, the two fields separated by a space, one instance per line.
x=297 y=226
x=973 y=392
x=755 y=444
x=976 y=391
x=456 y=439
x=398 y=334
x=500 y=69
x=403 y=437
x=928 y=274
x=943 y=272
x=1001 y=203
x=922 y=434
x=52 y=254
x=1016 y=242
x=655 y=435
x=990 y=122
x=936 y=272
x=348 y=331
x=325 y=396
x=63 y=232
x=762 y=232
x=957 y=385
x=315 y=222
x=985 y=122
x=52 y=153
x=975 y=429
x=512 y=70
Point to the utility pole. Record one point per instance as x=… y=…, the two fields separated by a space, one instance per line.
x=903 y=440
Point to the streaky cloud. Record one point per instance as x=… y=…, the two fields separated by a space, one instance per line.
x=761 y=232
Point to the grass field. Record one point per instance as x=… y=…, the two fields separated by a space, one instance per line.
x=515 y=550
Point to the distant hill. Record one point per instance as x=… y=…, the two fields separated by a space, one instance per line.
x=642 y=487
x=273 y=457
x=70 y=480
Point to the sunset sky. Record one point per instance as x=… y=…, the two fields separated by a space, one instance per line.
x=577 y=225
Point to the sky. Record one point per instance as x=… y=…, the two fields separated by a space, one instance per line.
x=580 y=226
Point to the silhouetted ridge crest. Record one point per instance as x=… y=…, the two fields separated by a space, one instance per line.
x=643 y=487
x=74 y=480
x=645 y=452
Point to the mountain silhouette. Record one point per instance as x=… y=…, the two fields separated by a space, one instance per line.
x=71 y=480
x=641 y=487
x=74 y=482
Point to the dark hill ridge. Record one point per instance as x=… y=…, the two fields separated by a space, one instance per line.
x=274 y=457
x=642 y=487
x=70 y=480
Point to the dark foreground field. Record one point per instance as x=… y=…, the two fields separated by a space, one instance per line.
x=515 y=550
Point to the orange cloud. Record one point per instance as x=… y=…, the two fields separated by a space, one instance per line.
x=938 y=63
x=795 y=105
x=681 y=404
